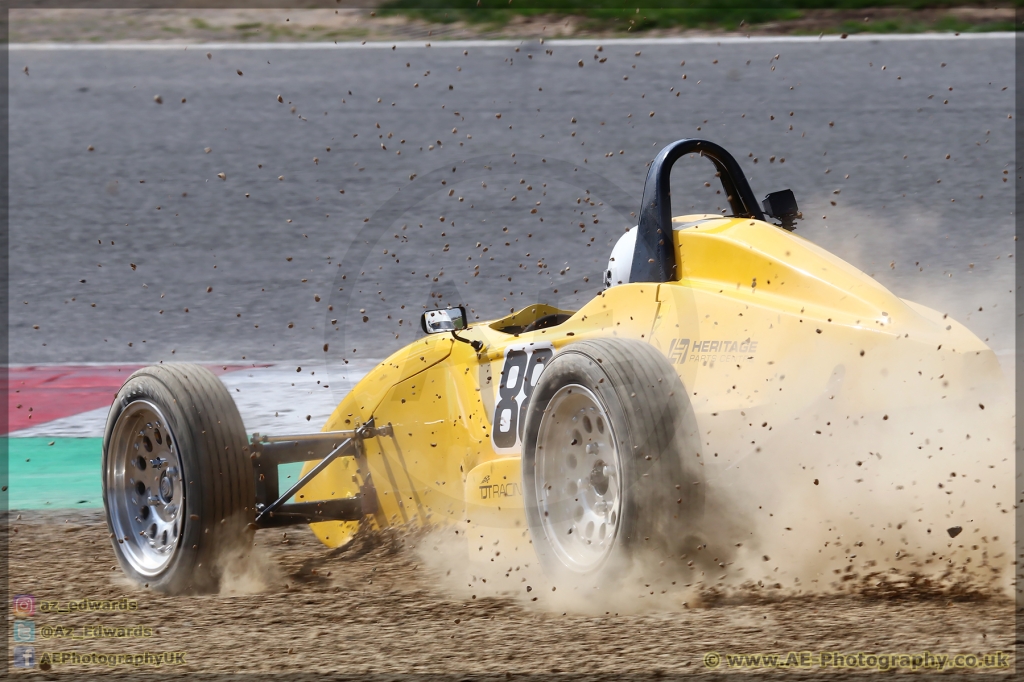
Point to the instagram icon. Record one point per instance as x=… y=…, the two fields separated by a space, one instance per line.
x=23 y=605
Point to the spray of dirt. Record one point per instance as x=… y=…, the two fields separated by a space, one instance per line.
x=887 y=502
x=911 y=502
x=246 y=566
x=911 y=254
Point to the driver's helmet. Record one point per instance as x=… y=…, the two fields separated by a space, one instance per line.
x=438 y=321
x=620 y=264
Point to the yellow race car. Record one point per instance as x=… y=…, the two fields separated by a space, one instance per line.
x=577 y=436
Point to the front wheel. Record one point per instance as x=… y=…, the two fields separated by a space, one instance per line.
x=178 y=485
x=610 y=462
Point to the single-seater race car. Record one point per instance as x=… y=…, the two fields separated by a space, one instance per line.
x=576 y=434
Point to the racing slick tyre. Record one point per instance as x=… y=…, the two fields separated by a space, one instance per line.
x=611 y=466
x=178 y=485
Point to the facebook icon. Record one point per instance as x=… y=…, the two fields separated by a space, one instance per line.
x=24 y=657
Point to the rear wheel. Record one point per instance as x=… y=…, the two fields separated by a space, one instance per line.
x=610 y=459
x=177 y=481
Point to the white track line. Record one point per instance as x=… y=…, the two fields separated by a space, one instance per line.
x=563 y=42
x=272 y=400
x=82 y=425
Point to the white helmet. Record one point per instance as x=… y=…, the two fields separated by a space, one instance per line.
x=620 y=264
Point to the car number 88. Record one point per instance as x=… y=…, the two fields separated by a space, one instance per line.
x=519 y=374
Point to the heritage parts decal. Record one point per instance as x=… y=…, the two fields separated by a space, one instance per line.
x=710 y=350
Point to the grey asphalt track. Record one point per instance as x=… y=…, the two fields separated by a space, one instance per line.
x=110 y=247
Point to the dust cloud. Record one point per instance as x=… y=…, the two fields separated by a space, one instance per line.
x=246 y=566
x=892 y=503
x=909 y=502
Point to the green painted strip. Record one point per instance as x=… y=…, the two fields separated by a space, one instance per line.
x=65 y=473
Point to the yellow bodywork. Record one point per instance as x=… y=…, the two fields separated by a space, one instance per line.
x=760 y=321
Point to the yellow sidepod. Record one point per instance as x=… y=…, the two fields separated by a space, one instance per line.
x=439 y=432
x=342 y=478
x=495 y=518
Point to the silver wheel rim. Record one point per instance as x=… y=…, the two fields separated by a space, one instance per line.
x=578 y=481
x=145 y=491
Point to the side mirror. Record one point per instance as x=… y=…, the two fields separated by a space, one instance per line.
x=782 y=205
x=439 y=321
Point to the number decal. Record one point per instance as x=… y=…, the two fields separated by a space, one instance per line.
x=506 y=411
x=519 y=374
x=538 y=359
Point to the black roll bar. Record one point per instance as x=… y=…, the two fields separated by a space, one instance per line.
x=654 y=257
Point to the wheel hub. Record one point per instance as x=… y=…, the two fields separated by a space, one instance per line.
x=599 y=478
x=166 y=489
